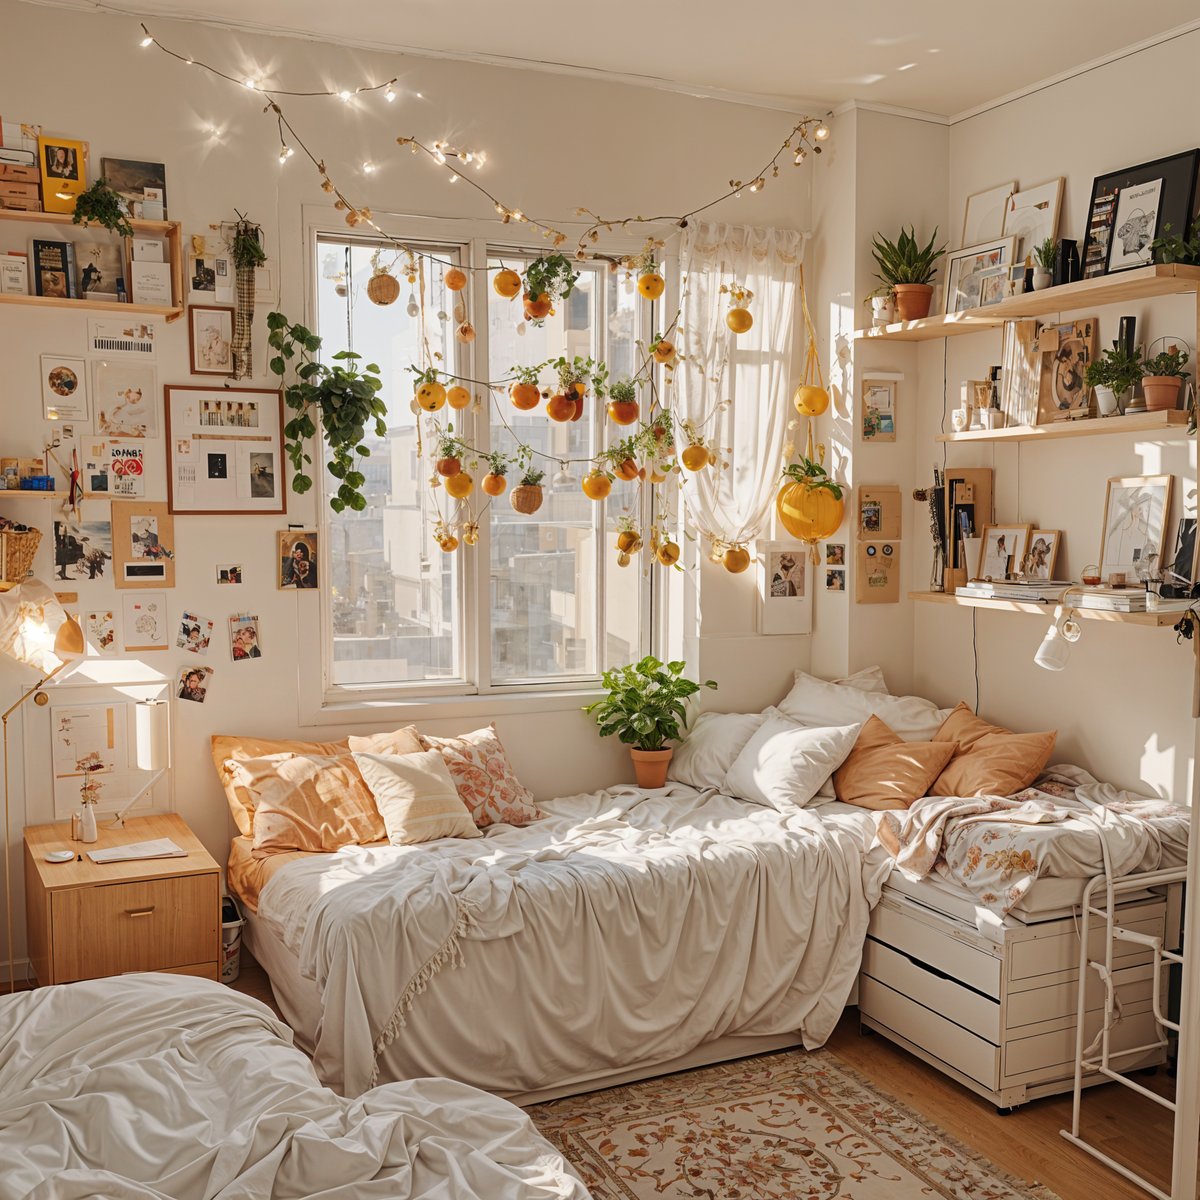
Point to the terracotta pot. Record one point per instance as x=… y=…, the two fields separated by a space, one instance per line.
x=1161 y=391
x=913 y=300
x=650 y=766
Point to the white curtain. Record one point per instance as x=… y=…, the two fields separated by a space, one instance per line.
x=736 y=389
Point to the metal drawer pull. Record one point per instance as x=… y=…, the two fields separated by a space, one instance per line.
x=139 y=912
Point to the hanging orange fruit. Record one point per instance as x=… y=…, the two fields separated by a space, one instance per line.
x=493 y=484
x=736 y=560
x=664 y=352
x=448 y=542
x=651 y=284
x=506 y=283
x=596 y=485
x=629 y=541
x=667 y=554
x=459 y=485
x=624 y=412
x=524 y=395
x=455 y=279
x=536 y=307
x=448 y=464
x=561 y=407
x=465 y=332
x=627 y=470
x=458 y=396
x=739 y=319
x=431 y=395
x=810 y=400
x=695 y=457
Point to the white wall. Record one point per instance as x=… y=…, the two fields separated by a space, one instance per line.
x=554 y=142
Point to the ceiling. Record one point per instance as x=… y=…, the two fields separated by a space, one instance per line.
x=928 y=55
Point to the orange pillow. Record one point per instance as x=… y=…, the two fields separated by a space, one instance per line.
x=229 y=750
x=990 y=760
x=884 y=771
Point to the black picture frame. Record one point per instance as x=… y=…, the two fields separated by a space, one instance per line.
x=1176 y=207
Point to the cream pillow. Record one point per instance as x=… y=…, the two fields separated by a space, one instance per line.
x=869 y=679
x=416 y=796
x=703 y=758
x=813 y=701
x=784 y=764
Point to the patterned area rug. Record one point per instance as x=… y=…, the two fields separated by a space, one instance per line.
x=790 y=1126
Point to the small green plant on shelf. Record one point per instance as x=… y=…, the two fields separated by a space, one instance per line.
x=1045 y=254
x=905 y=260
x=1117 y=368
x=101 y=205
x=1169 y=363
x=1168 y=247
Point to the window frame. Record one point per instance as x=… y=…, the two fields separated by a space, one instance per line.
x=324 y=702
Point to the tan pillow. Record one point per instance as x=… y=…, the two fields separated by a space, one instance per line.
x=991 y=760
x=416 y=797
x=884 y=771
x=229 y=751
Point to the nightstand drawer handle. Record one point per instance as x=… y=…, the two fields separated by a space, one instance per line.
x=139 y=912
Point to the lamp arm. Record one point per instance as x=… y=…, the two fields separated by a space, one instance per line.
x=118 y=822
x=37 y=687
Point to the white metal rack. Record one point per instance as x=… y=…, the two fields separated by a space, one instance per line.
x=1098 y=1057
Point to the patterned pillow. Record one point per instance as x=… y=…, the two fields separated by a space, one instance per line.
x=485 y=779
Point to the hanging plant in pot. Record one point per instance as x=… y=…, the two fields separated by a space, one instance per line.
x=1162 y=378
x=809 y=504
x=547 y=279
x=345 y=399
x=908 y=269
x=645 y=708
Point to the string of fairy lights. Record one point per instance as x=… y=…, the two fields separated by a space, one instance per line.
x=464 y=165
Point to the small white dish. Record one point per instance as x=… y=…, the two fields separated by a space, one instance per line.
x=60 y=856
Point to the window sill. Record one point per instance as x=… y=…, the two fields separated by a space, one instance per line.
x=361 y=710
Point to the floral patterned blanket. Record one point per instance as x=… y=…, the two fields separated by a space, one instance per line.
x=1068 y=825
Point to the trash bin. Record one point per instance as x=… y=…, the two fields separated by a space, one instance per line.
x=231 y=939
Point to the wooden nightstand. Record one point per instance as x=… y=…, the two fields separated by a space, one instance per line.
x=86 y=920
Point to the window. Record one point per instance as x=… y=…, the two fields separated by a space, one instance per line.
x=540 y=599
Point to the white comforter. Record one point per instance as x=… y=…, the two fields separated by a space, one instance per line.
x=627 y=928
x=164 y=1086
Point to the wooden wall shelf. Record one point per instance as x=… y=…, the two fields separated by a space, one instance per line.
x=1152 y=620
x=1151 y=424
x=1140 y=284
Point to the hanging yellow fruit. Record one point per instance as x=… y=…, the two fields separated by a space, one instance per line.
x=667 y=554
x=506 y=283
x=809 y=503
x=623 y=559
x=596 y=485
x=810 y=400
x=448 y=542
x=383 y=288
x=664 y=352
x=459 y=486
x=458 y=396
x=629 y=541
x=739 y=319
x=695 y=457
x=431 y=395
x=651 y=284
x=456 y=279
x=736 y=560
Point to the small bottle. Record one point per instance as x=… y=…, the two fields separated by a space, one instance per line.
x=88 y=825
x=76 y=826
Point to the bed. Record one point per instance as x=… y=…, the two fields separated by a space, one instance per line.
x=160 y=1085
x=627 y=933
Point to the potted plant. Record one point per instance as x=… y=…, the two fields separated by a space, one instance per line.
x=526 y=497
x=1169 y=248
x=645 y=708
x=907 y=268
x=1112 y=377
x=882 y=302
x=547 y=279
x=345 y=399
x=623 y=402
x=1045 y=254
x=100 y=205
x=809 y=504
x=1162 y=378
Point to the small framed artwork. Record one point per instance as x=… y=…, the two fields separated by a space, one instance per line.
x=984 y=215
x=298 y=559
x=224 y=450
x=1002 y=551
x=125 y=397
x=1042 y=554
x=835 y=554
x=143 y=541
x=1021 y=373
x=1183 y=561
x=1066 y=350
x=64 y=172
x=1031 y=215
x=210 y=339
x=137 y=182
x=1132 y=206
x=993 y=285
x=879 y=407
x=785 y=589
x=229 y=573
x=145 y=620
x=835 y=581
x=964 y=267
x=1135 y=525
x=1016 y=278
x=64 y=388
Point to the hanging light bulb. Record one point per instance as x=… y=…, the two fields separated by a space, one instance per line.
x=389 y=94
x=345 y=97
x=147 y=41
x=821 y=133
x=412 y=308
x=368 y=167
x=285 y=152
x=480 y=159
x=250 y=83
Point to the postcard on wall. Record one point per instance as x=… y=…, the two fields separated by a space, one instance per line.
x=877 y=574
x=244 y=640
x=82 y=549
x=100 y=632
x=785 y=589
x=835 y=580
x=114 y=469
x=224 y=450
x=879 y=407
x=64 y=388
x=193 y=683
x=125 y=398
x=195 y=633
x=144 y=617
x=298 y=558
x=113 y=335
x=229 y=573
x=143 y=545
x=210 y=277
x=879 y=512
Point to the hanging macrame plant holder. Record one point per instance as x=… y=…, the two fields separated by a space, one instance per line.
x=810 y=398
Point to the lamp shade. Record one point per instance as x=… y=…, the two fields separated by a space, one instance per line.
x=151 y=735
x=35 y=629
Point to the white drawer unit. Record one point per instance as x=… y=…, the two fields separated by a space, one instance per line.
x=999 y=1015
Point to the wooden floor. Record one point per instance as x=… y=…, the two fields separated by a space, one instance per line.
x=1026 y=1144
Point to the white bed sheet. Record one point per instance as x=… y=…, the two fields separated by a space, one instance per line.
x=165 y=1086
x=628 y=927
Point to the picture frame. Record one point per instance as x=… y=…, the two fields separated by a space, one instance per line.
x=993 y=286
x=878 y=406
x=835 y=554
x=963 y=266
x=1176 y=206
x=125 y=398
x=143 y=543
x=1002 y=550
x=144 y=615
x=1183 y=561
x=835 y=580
x=298 y=555
x=785 y=588
x=1136 y=508
x=210 y=339
x=224 y=450
x=983 y=214
x=63 y=163
x=877 y=573
x=1021 y=373
x=1031 y=215
x=1042 y=553
x=1066 y=350
x=1135 y=225
x=64 y=388
x=130 y=178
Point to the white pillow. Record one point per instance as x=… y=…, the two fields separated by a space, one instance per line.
x=703 y=758
x=416 y=796
x=869 y=679
x=784 y=764
x=814 y=702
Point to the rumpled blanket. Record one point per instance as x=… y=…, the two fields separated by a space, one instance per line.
x=1068 y=825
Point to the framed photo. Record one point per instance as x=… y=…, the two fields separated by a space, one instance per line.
x=835 y=581
x=298 y=559
x=125 y=397
x=1042 y=554
x=1031 y=216
x=1183 y=561
x=1066 y=350
x=224 y=450
x=143 y=544
x=1135 y=523
x=785 y=591
x=1173 y=201
x=132 y=179
x=1002 y=551
x=984 y=215
x=993 y=285
x=64 y=172
x=64 y=388
x=964 y=267
x=835 y=554
x=210 y=339
x=1021 y=373
x=879 y=407
x=1016 y=278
